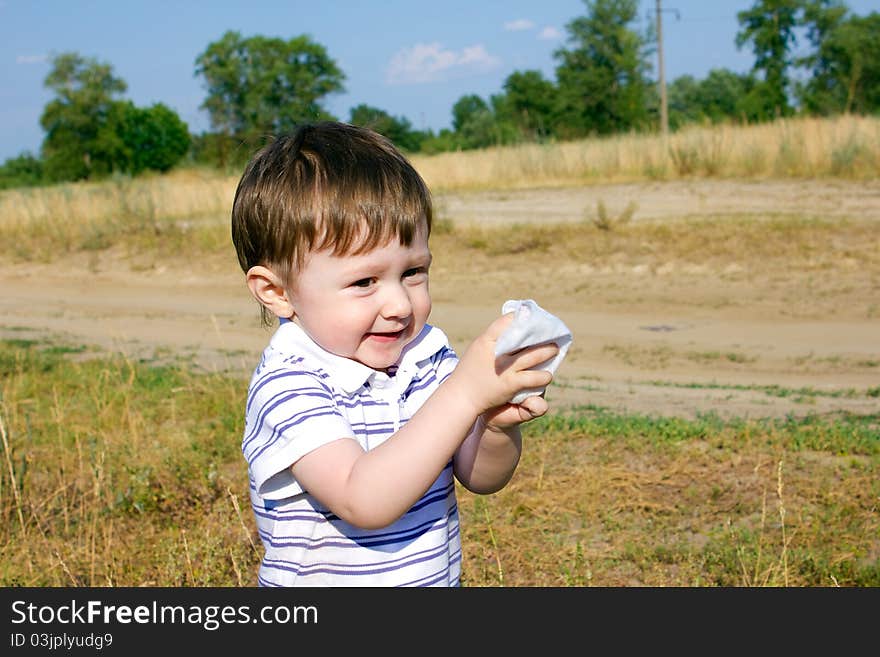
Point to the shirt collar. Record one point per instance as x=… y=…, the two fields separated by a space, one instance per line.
x=349 y=374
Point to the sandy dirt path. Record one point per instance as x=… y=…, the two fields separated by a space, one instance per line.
x=666 y=199
x=635 y=359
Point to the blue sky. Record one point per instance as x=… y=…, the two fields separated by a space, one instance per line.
x=411 y=58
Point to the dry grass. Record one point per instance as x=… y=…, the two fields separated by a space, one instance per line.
x=801 y=148
x=110 y=478
x=119 y=473
x=38 y=222
x=719 y=505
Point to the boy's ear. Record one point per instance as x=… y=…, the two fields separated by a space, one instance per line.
x=269 y=290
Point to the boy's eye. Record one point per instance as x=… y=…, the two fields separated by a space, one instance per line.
x=363 y=282
x=415 y=271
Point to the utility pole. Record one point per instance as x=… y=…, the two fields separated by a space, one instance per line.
x=664 y=112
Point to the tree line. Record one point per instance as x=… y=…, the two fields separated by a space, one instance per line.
x=811 y=57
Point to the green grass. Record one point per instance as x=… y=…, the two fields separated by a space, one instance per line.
x=841 y=433
x=127 y=473
x=776 y=390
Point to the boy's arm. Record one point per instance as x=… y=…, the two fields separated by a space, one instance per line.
x=372 y=489
x=488 y=457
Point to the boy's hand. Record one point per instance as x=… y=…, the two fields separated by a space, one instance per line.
x=488 y=383
x=510 y=415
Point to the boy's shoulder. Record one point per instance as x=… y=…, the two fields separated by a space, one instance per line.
x=292 y=353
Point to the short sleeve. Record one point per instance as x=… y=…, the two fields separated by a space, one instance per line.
x=444 y=362
x=289 y=414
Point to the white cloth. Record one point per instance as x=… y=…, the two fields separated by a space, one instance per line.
x=532 y=325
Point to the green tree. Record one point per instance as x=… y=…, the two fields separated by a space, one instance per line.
x=846 y=64
x=820 y=17
x=602 y=79
x=474 y=123
x=397 y=129
x=80 y=140
x=527 y=104
x=718 y=97
x=444 y=141
x=466 y=109
x=260 y=86
x=770 y=26
x=155 y=137
x=25 y=170
x=683 y=97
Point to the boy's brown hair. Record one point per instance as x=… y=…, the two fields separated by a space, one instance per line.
x=328 y=185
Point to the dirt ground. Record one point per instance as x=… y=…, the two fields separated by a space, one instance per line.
x=633 y=349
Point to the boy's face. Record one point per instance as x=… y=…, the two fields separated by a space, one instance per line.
x=366 y=307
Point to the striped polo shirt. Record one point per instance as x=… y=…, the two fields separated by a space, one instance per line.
x=301 y=397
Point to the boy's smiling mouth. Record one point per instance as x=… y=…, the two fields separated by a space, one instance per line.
x=389 y=336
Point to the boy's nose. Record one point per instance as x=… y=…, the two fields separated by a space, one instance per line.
x=396 y=303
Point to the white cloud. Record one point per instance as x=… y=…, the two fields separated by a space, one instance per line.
x=430 y=62
x=519 y=25
x=30 y=59
x=549 y=33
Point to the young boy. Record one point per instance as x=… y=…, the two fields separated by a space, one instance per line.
x=359 y=413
